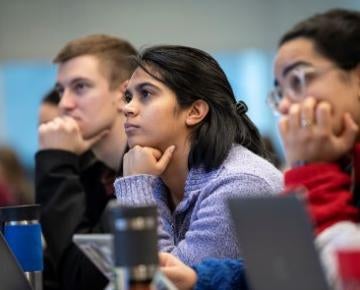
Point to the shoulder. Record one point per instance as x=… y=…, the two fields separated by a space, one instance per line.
x=245 y=165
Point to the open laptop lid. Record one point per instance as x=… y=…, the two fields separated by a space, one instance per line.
x=276 y=240
x=11 y=275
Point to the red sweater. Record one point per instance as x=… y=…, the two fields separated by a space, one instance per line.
x=329 y=196
x=5 y=195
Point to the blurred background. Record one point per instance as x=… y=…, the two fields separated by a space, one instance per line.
x=241 y=34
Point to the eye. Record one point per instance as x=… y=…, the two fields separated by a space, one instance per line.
x=81 y=87
x=127 y=97
x=145 y=93
x=309 y=77
x=295 y=83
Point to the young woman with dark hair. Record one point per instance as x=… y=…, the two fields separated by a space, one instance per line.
x=317 y=94
x=191 y=148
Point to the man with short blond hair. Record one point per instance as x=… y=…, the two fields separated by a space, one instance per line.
x=81 y=151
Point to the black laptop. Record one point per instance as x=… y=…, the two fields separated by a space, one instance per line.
x=11 y=275
x=277 y=244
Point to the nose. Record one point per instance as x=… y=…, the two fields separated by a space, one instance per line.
x=284 y=106
x=131 y=109
x=67 y=101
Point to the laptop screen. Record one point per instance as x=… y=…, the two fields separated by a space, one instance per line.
x=276 y=241
x=11 y=275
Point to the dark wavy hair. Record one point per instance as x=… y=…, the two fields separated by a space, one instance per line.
x=335 y=33
x=193 y=74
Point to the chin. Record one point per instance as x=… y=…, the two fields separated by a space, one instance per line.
x=132 y=142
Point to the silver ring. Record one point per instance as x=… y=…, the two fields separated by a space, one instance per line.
x=306 y=123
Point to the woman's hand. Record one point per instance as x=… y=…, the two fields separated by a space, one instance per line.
x=146 y=160
x=181 y=275
x=307 y=133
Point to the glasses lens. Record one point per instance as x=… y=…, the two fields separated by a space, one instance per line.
x=295 y=83
x=274 y=99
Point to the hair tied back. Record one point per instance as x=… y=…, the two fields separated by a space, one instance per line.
x=241 y=107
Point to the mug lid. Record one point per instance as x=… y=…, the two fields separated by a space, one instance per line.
x=20 y=212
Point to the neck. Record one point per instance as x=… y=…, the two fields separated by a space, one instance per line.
x=176 y=173
x=110 y=150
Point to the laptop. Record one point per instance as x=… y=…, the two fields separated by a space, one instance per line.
x=99 y=249
x=277 y=243
x=12 y=276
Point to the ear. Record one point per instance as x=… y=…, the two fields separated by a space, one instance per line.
x=197 y=112
x=120 y=94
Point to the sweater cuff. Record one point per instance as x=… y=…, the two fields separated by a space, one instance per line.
x=296 y=176
x=204 y=277
x=135 y=190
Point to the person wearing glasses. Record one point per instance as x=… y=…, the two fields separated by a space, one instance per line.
x=317 y=95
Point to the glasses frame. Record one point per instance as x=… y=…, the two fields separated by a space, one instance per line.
x=277 y=94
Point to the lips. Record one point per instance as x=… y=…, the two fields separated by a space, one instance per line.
x=130 y=127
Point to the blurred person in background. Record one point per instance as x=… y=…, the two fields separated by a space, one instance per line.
x=15 y=184
x=72 y=186
x=49 y=107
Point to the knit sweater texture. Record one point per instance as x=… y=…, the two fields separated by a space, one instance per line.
x=200 y=226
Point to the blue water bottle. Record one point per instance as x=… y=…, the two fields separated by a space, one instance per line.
x=21 y=229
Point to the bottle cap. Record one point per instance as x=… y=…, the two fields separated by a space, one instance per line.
x=20 y=212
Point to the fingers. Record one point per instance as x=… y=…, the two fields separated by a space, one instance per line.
x=311 y=131
x=323 y=117
x=294 y=117
x=166 y=260
x=307 y=113
x=350 y=131
x=302 y=115
x=283 y=126
x=166 y=157
x=181 y=275
x=156 y=153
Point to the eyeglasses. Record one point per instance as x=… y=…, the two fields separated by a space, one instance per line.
x=294 y=85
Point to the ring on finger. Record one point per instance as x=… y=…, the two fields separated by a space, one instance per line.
x=305 y=123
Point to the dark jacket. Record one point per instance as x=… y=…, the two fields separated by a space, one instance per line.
x=73 y=192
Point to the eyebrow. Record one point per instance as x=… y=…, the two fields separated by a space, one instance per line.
x=73 y=81
x=141 y=86
x=290 y=68
x=294 y=65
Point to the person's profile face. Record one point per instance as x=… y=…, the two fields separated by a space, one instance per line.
x=300 y=67
x=153 y=116
x=86 y=96
x=48 y=112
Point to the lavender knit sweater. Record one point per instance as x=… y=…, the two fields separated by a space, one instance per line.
x=200 y=226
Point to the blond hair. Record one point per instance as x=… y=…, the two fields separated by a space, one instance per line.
x=114 y=54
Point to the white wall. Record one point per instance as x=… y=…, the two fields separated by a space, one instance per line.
x=38 y=28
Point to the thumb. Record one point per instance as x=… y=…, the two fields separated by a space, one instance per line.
x=350 y=131
x=166 y=157
x=91 y=141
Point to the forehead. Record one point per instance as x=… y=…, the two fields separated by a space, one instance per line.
x=140 y=76
x=85 y=66
x=297 y=50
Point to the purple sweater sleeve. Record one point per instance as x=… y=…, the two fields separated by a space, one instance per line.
x=209 y=231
